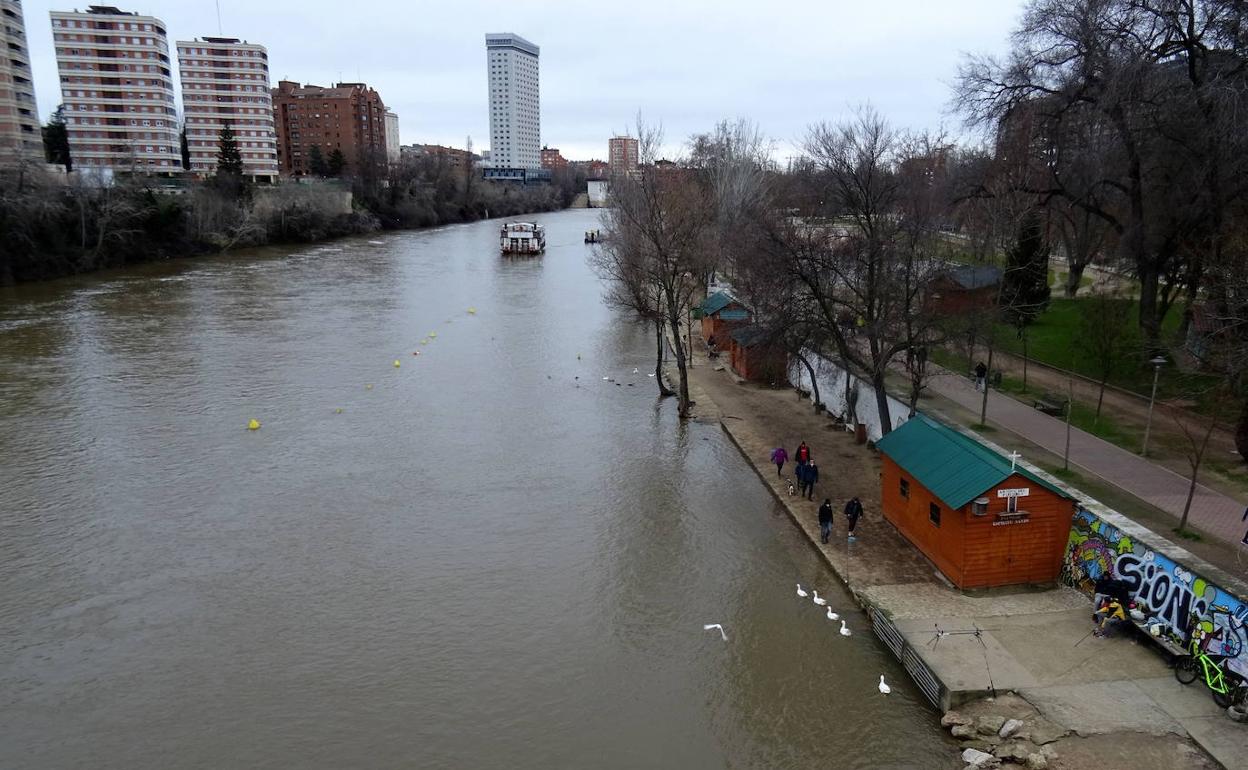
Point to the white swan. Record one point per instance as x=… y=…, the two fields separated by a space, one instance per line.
x=709 y=626
x=635 y=370
x=883 y=687
x=832 y=615
x=845 y=630
x=818 y=600
x=800 y=592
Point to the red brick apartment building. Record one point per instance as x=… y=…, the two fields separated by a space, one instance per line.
x=349 y=117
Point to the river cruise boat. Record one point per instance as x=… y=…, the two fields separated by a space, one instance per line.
x=523 y=238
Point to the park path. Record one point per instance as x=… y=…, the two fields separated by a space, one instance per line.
x=1212 y=512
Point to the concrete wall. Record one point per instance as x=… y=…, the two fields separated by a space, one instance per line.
x=832 y=391
x=1168 y=590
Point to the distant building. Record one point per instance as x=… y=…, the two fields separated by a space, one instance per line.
x=349 y=117
x=392 y=137
x=553 y=160
x=721 y=313
x=226 y=82
x=755 y=354
x=454 y=157
x=19 y=115
x=622 y=154
x=597 y=189
x=117 y=90
x=593 y=169
x=515 y=101
x=962 y=288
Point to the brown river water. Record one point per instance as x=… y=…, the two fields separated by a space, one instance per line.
x=482 y=561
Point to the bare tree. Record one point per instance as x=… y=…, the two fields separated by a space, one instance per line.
x=1103 y=334
x=664 y=214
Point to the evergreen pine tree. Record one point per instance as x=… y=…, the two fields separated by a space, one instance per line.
x=316 y=161
x=229 y=159
x=1025 y=285
x=336 y=162
x=186 y=151
x=56 y=140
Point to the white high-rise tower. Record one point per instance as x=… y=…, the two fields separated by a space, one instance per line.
x=515 y=101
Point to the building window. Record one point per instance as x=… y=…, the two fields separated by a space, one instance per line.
x=933 y=514
x=1011 y=505
x=905 y=488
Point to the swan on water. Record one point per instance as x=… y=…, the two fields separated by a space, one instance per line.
x=709 y=626
x=883 y=687
x=820 y=601
x=800 y=591
x=832 y=615
x=635 y=370
x=845 y=630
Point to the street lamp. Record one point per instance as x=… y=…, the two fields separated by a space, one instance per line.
x=1148 y=424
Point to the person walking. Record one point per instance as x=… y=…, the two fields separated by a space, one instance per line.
x=981 y=376
x=809 y=479
x=825 y=519
x=1244 y=518
x=853 y=512
x=779 y=457
x=802 y=453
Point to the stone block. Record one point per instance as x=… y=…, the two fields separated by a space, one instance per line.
x=963 y=731
x=977 y=758
x=989 y=724
x=1037 y=762
x=1010 y=727
x=952 y=718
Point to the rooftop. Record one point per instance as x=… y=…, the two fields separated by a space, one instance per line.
x=954 y=467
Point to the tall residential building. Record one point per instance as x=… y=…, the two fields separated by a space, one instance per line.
x=552 y=159
x=515 y=101
x=226 y=82
x=392 y=137
x=117 y=89
x=349 y=117
x=19 y=116
x=622 y=154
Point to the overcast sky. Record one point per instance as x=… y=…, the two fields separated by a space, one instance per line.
x=684 y=63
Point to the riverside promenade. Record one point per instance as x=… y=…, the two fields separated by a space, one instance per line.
x=1212 y=512
x=1108 y=703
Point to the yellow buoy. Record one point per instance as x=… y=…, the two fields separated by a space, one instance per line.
x=424 y=342
x=433 y=334
x=396 y=363
x=254 y=424
x=472 y=311
x=369 y=386
x=338 y=410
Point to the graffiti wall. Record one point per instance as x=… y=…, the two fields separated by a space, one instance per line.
x=1166 y=591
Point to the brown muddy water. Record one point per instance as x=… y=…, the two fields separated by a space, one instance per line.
x=480 y=562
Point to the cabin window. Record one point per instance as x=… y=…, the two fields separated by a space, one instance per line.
x=905 y=489
x=933 y=513
x=1011 y=505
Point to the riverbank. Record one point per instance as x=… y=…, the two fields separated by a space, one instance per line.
x=51 y=229
x=1095 y=693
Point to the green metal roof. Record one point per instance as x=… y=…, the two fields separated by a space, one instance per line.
x=716 y=302
x=955 y=468
x=734 y=315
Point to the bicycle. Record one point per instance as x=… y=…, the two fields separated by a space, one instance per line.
x=1223 y=685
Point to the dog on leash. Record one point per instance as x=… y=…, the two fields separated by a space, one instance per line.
x=792 y=489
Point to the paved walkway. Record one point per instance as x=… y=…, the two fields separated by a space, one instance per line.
x=1037 y=642
x=1212 y=512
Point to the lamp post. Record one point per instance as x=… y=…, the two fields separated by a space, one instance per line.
x=1148 y=424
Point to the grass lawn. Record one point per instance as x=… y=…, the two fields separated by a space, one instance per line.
x=1054 y=340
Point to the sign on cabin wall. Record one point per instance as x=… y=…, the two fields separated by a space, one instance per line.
x=1011 y=517
x=1018 y=492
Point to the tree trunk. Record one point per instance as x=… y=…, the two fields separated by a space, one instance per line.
x=983 y=410
x=664 y=391
x=881 y=402
x=814 y=384
x=1024 y=336
x=1241 y=432
x=1100 y=398
x=1150 y=325
x=1195 y=461
x=682 y=368
x=1073 y=278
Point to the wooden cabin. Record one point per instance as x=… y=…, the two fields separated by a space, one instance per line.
x=721 y=314
x=757 y=356
x=980 y=519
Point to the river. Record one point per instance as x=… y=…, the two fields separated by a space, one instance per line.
x=485 y=557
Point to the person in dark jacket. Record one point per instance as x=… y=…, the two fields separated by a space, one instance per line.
x=981 y=376
x=853 y=512
x=825 y=519
x=802 y=453
x=809 y=478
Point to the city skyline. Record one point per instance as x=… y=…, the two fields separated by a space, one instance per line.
x=814 y=63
